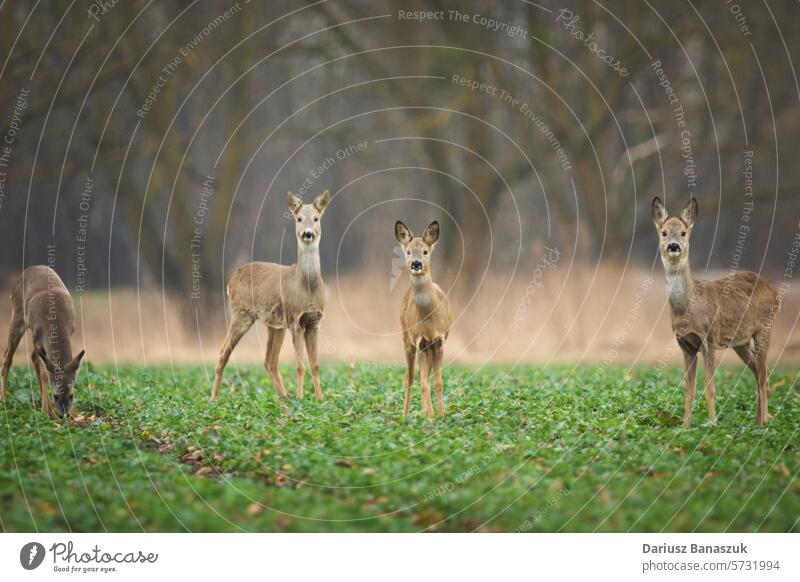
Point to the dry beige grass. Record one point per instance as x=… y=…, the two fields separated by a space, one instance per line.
x=600 y=315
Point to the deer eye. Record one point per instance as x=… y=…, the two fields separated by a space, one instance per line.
x=683 y=233
x=408 y=253
x=663 y=233
x=425 y=252
x=316 y=219
x=299 y=220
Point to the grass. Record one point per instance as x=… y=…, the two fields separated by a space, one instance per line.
x=555 y=449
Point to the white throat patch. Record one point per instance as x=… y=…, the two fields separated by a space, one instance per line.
x=422 y=299
x=676 y=287
x=308 y=259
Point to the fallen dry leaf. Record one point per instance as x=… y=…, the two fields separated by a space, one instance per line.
x=428 y=517
x=45 y=508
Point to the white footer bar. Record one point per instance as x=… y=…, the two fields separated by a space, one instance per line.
x=352 y=557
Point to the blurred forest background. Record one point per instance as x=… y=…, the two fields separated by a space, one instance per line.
x=149 y=146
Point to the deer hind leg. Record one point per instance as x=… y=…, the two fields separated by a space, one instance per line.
x=709 y=359
x=299 y=352
x=411 y=358
x=274 y=343
x=312 y=340
x=425 y=363
x=239 y=326
x=437 y=355
x=690 y=379
x=760 y=349
x=748 y=356
x=763 y=389
x=15 y=332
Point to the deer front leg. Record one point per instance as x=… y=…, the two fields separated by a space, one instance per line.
x=762 y=377
x=15 y=333
x=437 y=357
x=41 y=378
x=424 y=381
x=312 y=338
x=299 y=351
x=411 y=356
x=690 y=379
x=710 y=366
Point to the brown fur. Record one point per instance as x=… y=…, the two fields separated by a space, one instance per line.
x=736 y=312
x=425 y=317
x=282 y=297
x=41 y=303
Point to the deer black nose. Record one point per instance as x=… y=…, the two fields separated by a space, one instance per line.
x=673 y=247
x=308 y=234
x=416 y=265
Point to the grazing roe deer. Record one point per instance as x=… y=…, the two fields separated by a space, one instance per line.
x=736 y=312
x=283 y=297
x=425 y=316
x=40 y=302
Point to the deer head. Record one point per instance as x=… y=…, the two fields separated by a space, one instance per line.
x=417 y=249
x=62 y=381
x=307 y=217
x=674 y=232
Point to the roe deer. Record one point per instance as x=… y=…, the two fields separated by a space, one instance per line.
x=282 y=297
x=425 y=316
x=40 y=302
x=736 y=312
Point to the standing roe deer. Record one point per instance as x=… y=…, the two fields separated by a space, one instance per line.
x=283 y=297
x=425 y=316
x=736 y=312
x=40 y=302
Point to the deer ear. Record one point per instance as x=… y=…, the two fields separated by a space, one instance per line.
x=321 y=201
x=431 y=234
x=689 y=212
x=47 y=364
x=294 y=202
x=658 y=212
x=76 y=362
x=402 y=233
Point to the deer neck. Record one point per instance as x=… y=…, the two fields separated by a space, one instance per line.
x=308 y=267
x=55 y=327
x=424 y=293
x=680 y=286
x=59 y=351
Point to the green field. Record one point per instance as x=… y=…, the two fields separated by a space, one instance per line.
x=555 y=449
